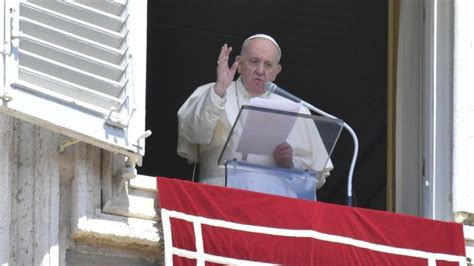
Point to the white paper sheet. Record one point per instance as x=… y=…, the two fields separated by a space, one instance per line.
x=263 y=131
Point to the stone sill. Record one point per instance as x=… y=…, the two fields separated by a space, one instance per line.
x=120 y=231
x=143 y=182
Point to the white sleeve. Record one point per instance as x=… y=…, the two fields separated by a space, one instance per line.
x=309 y=151
x=198 y=116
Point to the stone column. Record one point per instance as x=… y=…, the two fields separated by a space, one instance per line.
x=35 y=199
x=5 y=186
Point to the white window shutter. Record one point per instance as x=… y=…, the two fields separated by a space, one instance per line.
x=78 y=68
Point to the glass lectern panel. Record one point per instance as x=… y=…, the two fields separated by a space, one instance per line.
x=248 y=153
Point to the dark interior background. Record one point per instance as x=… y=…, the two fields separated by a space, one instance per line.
x=334 y=56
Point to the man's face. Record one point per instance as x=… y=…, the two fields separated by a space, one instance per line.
x=258 y=64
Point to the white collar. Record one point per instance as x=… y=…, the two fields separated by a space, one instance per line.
x=242 y=91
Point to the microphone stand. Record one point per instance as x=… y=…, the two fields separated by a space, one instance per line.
x=356 y=147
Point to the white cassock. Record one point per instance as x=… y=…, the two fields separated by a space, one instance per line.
x=205 y=121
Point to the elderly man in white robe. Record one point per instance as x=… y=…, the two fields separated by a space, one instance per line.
x=207 y=116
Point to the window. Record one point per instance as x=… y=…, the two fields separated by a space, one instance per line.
x=78 y=68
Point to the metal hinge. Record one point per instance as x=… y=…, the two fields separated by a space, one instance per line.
x=6 y=97
x=119 y=120
x=11 y=34
x=66 y=144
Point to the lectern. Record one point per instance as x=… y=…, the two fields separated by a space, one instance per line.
x=247 y=154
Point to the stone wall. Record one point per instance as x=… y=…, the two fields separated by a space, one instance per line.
x=58 y=207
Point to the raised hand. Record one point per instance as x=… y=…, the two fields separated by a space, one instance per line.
x=225 y=74
x=283 y=155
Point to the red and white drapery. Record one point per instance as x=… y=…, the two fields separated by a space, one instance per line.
x=209 y=225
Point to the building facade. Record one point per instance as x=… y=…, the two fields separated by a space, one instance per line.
x=72 y=108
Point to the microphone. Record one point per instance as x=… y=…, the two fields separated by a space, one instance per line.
x=272 y=87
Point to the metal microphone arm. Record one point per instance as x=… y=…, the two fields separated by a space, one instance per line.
x=356 y=147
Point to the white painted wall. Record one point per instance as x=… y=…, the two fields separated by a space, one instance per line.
x=463 y=109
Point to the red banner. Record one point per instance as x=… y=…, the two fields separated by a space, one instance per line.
x=210 y=225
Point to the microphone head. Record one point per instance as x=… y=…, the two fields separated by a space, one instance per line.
x=270 y=86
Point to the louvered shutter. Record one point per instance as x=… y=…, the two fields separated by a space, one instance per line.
x=78 y=68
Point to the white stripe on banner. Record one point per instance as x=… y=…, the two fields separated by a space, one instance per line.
x=199 y=244
x=218 y=259
x=166 y=214
x=168 y=239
